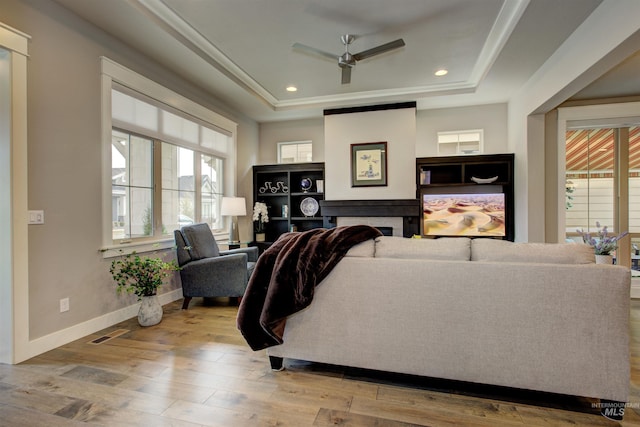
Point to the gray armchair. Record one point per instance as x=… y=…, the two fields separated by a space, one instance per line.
x=206 y=270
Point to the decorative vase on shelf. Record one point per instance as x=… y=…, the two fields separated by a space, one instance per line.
x=260 y=237
x=150 y=312
x=604 y=259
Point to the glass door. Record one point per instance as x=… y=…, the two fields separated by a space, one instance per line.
x=603 y=186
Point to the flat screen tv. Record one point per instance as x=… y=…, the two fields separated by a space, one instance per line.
x=465 y=214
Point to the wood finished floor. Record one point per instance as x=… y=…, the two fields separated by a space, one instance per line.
x=194 y=369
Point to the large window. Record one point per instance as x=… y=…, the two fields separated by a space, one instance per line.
x=168 y=160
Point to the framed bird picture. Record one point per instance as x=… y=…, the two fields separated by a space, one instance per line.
x=369 y=164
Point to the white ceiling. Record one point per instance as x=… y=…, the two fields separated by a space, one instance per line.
x=240 y=51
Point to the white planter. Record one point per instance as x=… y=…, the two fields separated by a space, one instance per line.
x=150 y=312
x=604 y=259
x=260 y=237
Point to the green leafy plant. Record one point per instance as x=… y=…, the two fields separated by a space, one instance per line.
x=140 y=275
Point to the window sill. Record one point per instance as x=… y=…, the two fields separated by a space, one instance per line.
x=168 y=243
x=138 y=247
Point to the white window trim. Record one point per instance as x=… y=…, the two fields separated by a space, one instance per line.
x=457 y=133
x=113 y=72
x=281 y=144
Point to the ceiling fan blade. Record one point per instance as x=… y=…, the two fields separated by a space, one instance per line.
x=378 y=49
x=313 y=50
x=346 y=75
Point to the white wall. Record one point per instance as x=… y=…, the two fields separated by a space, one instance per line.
x=396 y=127
x=492 y=118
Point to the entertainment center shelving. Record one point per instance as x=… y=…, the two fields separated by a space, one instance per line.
x=458 y=175
x=286 y=179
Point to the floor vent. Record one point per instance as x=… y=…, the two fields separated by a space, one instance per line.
x=109 y=336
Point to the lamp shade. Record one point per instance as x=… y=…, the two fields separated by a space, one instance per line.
x=233 y=206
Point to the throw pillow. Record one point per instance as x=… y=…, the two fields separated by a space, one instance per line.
x=548 y=253
x=444 y=248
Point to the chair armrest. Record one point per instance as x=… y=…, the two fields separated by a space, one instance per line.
x=217 y=266
x=252 y=253
x=218 y=276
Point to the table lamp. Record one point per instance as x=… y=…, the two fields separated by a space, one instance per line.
x=233 y=207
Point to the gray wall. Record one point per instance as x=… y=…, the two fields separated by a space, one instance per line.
x=64 y=162
x=293 y=130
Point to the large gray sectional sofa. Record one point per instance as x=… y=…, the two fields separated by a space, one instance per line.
x=526 y=315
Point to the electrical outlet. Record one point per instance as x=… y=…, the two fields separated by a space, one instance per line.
x=64 y=305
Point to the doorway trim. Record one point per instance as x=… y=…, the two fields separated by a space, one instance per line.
x=14 y=259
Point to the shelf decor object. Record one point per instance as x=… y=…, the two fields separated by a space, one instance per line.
x=305 y=184
x=369 y=164
x=484 y=180
x=309 y=206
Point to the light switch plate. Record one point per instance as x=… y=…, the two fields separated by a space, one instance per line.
x=36 y=217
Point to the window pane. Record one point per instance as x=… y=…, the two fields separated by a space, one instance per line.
x=634 y=180
x=295 y=152
x=141 y=212
x=178 y=187
x=130 y=110
x=140 y=164
x=131 y=193
x=215 y=140
x=180 y=128
x=589 y=179
x=211 y=190
x=119 y=212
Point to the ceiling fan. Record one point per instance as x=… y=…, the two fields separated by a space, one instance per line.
x=347 y=60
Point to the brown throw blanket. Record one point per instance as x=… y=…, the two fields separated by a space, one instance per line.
x=285 y=276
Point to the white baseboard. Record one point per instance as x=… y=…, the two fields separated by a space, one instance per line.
x=62 y=337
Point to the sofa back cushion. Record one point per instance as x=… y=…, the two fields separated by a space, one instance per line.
x=548 y=253
x=363 y=250
x=445 y=248
x=200 y=241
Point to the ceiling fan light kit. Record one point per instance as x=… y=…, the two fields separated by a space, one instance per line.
x=347 y=60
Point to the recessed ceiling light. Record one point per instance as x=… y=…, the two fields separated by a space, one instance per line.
x=441 y=73
x=292 y=88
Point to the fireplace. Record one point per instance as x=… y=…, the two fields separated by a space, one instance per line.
x=401 y=216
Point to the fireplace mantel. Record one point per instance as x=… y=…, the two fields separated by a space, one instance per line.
x=407 y=209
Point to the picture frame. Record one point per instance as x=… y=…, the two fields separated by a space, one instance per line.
x=369 y=164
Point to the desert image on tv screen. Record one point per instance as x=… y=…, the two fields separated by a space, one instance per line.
x=463 y=214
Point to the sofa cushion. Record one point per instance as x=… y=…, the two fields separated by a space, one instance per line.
x=445 y=248
x=200 y=241
x=363 y=250
x=549 y=253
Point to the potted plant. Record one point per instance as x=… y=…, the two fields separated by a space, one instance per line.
x=603 y=244
x=142 y=276
x=260 y=218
